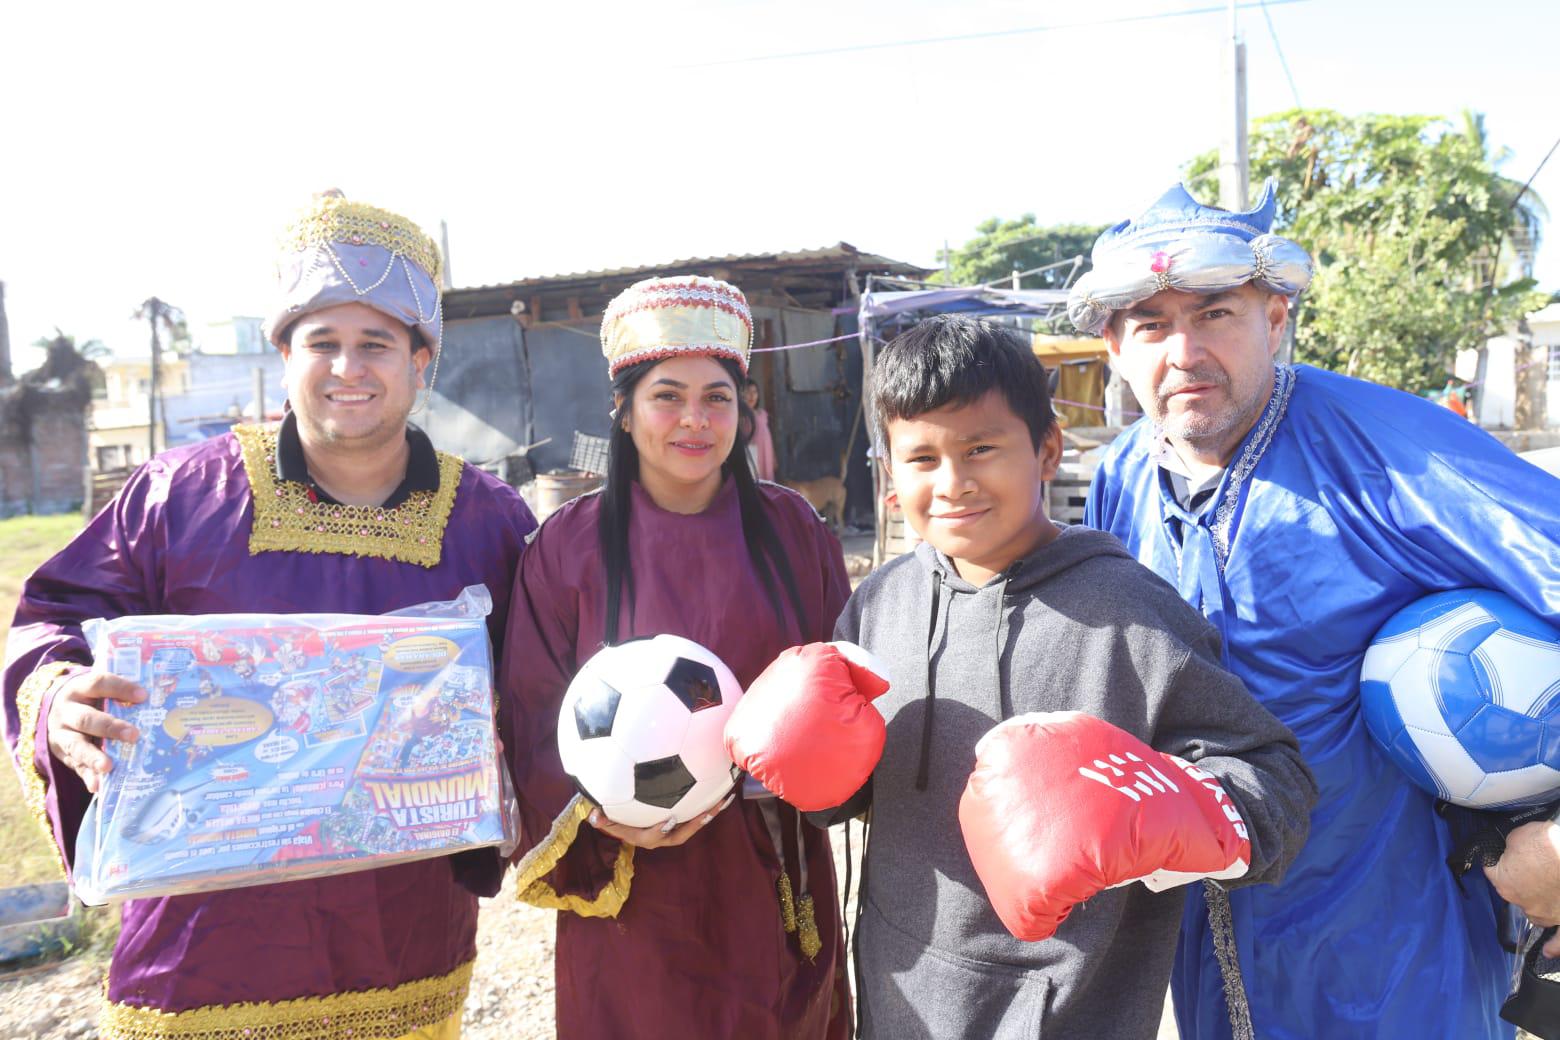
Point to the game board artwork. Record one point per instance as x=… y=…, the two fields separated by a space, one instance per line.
x=276 y=747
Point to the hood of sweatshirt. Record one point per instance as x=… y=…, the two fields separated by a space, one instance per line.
x=1078 y=625
x=1072 y=547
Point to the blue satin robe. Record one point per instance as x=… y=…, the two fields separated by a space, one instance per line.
x=1346 y=501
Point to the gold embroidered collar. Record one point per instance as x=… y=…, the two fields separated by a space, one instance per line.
x=288 y=520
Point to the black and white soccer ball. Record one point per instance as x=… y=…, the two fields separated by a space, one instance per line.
x=642 y=728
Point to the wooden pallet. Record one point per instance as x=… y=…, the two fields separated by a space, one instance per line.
x=1065 y=497
x=102 y=486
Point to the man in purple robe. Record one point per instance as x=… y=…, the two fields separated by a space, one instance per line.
x=342 y=507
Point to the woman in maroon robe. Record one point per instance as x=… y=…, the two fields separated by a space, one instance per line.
x=728 y=924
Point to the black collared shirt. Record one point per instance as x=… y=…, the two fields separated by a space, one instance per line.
x=422 y=468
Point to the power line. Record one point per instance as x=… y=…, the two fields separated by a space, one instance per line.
x=924 y=41
x=1536 y=172
x=1273 y=31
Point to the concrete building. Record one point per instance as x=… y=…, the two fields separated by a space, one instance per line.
x=204 y=393
x=1520 y=384
x=120 y=435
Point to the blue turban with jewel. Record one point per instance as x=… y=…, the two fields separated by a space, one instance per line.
x=1183 y=245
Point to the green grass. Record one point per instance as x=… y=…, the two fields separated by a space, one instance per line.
x=26 y=542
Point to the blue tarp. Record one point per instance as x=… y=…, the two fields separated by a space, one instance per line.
x=877 y=305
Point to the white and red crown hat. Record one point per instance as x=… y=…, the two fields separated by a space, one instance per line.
x=687 y=314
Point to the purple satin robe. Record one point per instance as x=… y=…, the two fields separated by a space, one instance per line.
x=176 y=541
x=698 y=949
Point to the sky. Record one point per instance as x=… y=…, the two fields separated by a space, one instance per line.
x=158 y=148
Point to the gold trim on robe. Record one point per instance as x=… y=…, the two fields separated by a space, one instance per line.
x=397 y=1011
x=807 y=926
x=287 y=520
x=787 y=902
x=35 y=789
x=530 y=888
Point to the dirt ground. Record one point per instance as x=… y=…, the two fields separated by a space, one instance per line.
x=510 y=998
x=511 y=990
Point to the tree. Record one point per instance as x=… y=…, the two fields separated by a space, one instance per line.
x=91 y=350
x=67 y=360
x=1421 y=245
x=66 y=377
x=1004 y=246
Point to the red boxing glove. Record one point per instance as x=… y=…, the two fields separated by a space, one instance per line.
x=1062 y=805
x=806 y=729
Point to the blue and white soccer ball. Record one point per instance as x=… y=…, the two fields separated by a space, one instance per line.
x=1462 y=690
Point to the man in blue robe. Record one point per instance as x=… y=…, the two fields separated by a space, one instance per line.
x=1299 y=509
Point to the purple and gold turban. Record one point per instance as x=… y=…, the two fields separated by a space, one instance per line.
x=663 y=317
x=1183 y=245
x=348 y=252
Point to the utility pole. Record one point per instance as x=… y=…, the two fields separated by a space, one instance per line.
x=5 y=343
x=152 y=307
x=444 y=243
x=259 y=394
x=157 y=312
x=1234 y=159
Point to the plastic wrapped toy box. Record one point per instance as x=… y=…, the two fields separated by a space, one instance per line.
x=277 y=747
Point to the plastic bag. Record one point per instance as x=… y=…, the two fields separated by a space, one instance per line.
x=275 y=747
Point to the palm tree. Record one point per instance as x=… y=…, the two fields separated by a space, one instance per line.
x=66 y=360
x=91 y=350
x=162 y=317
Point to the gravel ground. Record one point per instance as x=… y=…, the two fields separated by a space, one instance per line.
x=510 y=998
x=54 y=1002
x=511 y=988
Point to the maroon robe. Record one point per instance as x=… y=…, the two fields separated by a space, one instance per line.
x=698 y=948
x=177 y=540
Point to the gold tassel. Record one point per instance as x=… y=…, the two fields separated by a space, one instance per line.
x=808 y=938
x=787 y=902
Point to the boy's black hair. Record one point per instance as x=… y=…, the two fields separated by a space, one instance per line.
x=954 y=360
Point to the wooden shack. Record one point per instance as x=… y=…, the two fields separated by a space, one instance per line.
x=522 y=360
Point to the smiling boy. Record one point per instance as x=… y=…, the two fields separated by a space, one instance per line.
x=998 y=613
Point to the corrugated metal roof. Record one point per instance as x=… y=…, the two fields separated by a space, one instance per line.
x=837 y=253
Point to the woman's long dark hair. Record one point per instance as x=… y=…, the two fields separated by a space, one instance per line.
x=763 y=545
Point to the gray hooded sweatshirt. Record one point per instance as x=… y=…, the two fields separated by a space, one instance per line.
x=1078 y=625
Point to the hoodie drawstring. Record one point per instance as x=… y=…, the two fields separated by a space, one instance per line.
x=937 y=623
x=1007 y=575
x=938 y=605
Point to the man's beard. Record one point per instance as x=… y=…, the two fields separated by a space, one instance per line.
x=391 y=425
x=1196 y=428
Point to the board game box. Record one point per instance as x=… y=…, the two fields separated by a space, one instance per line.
x=275 y=747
